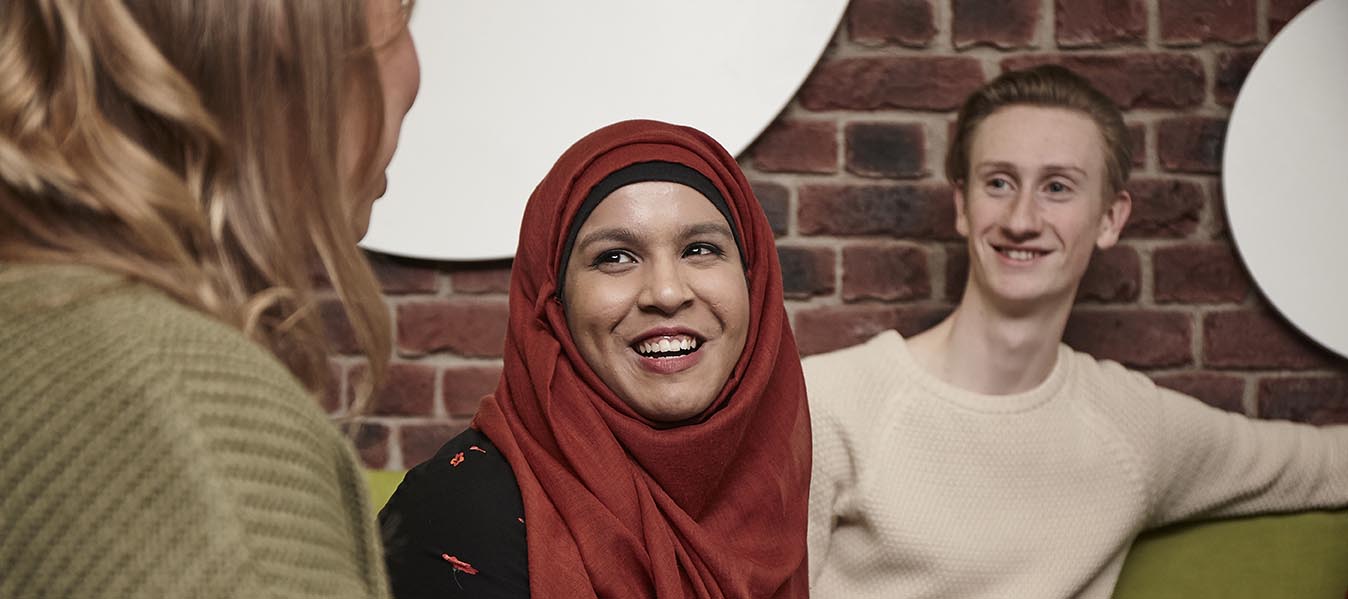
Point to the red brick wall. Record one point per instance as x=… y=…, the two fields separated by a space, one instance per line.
x=850 y=177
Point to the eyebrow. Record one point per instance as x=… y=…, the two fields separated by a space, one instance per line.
x=707 y=228
x=621 y=235
x=626 y=236
x=1052 y=168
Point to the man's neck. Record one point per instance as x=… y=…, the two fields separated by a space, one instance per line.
x=989 y=349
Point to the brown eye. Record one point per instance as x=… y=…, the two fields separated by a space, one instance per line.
x=703 y=249
x=614 y=257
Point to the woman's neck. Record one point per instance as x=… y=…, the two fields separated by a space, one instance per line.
x=983 y=348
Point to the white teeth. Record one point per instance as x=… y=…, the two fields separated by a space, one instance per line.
x=667 y=344
x=1020 y=255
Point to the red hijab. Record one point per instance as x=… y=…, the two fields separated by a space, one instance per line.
x=614 y=506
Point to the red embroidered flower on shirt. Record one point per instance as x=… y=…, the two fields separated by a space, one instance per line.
x=456 y=460
x=458 y=564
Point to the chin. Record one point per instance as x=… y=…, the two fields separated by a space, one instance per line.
x=665 y=411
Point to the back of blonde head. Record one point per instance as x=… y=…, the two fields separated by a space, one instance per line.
x=194 y=145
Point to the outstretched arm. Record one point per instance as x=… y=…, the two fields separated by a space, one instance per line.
x=1213 y=463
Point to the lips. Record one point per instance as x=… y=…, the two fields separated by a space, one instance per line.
x=668 y=350
x=667 y=345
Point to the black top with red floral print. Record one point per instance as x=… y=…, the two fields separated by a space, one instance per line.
x=455 y=526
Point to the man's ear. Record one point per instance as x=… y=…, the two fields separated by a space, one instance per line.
x=961 y=222
x=1113 y=220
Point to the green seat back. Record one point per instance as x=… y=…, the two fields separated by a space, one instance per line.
x=1291 y=556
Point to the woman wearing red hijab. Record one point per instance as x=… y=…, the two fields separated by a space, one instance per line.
x=649 y=436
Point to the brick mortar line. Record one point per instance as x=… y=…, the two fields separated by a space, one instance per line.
x=393 y=447
x=1208 y=60
x=1153 y=41
x=985 y=53
x=1046 y=30
x=397 y=421
x=1136 y=115
x=446 y=359
x=1256 y=373
x=943 y=16
x=1262 y=31
x=1249 y=399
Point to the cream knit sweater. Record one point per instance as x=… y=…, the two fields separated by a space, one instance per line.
x=147 y=451
x=921 y=489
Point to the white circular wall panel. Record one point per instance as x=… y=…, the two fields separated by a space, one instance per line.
x=1285 y=172
x=508 y=85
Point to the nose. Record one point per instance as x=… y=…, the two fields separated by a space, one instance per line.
x=1022 y=219
x=666 y=288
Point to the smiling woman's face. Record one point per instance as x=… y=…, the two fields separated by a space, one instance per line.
x=656 y=298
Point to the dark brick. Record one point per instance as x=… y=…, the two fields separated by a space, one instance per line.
x=895 y=150
x=905 y=82
x=1191 y=144
x=1137 y=141
x=797 y=147
x=402 y=275
x=1198 y=274
x=807 y=271
x=1232 y=68
x=1217 y=390
x=1093 y=23
x=468 y=327
x=1315 y=400
x=827 y=328
x=371 y=441
x=1007 y=24
x=480 y=277
x=337 y=328
x=408 y=389
x=1259 y=339
x=1164 y=208
x=463 y=387
x=922 y=211
x=885 y=271
x=910 y=23
x=1114 y=275
x=1135 y=338
x=1137 y=80
x=776 y=203
x=1280 y=12
x=420 y=441
x=1192 y=22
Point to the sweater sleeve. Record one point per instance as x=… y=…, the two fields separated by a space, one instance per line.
x=1213 y=463
x=831 y=473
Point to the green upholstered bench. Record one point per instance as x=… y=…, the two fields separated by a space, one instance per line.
x=1292 y=556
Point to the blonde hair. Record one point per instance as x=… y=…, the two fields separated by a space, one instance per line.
x=195 y=146
x=1048 y=86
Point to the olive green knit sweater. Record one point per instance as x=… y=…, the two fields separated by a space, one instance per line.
x=147 y=450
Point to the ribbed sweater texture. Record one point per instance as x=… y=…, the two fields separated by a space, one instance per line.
x=921 y=489
x=147 y=450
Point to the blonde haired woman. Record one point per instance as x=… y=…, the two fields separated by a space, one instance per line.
x=171 y=176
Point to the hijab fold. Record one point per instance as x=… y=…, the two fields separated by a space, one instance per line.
x=615 y=505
